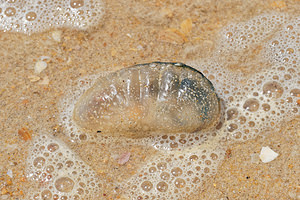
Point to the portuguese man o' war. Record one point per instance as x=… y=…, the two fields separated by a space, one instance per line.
x=148 y=99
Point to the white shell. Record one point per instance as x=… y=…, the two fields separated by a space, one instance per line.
x=267 y=154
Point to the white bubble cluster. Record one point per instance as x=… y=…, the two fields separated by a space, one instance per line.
x=252 y=104
x=263 y=99
x=174 y=175
x=236 y=37
x=283 y=47
x=58 y=172
x=37 y=15
x=182 y=140
x=258 y=103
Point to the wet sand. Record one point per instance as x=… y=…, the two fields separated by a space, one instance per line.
x=128 y=35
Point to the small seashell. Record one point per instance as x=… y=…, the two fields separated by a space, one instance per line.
x=278 y=4
x=173 y=36
x=113 y=52
x=9 y=173
x=2 y=91
x=24 y=134
x=40 y=66
x=186 y=26
x=267 y=154
x=124 y=158
x=33 y=78
x=167 y=12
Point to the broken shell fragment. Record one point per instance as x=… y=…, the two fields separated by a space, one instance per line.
x=149 y=99
x=40 y=66
x=267 y=154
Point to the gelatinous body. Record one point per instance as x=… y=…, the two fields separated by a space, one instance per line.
x=149 y=99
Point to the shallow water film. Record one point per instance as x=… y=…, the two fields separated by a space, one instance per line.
x=70 y=129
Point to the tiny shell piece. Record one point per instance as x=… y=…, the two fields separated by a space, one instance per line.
x=149 y=99
x=186 y=26
x=173 y=36
x=124 y=158
x=34 y=78
x=10 y=173
x=267 y=154
x=24 y=134
x=40 y=66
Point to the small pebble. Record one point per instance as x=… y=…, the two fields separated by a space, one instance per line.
x=267 y=154
x=40 y=66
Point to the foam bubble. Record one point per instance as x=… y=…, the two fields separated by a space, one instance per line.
x=173 y=175
x=283 y=47
x=58 y=172
x=242 y=35
x=67 y=106
x=36 y=16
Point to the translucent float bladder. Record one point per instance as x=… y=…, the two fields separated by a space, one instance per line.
x=149 y=99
